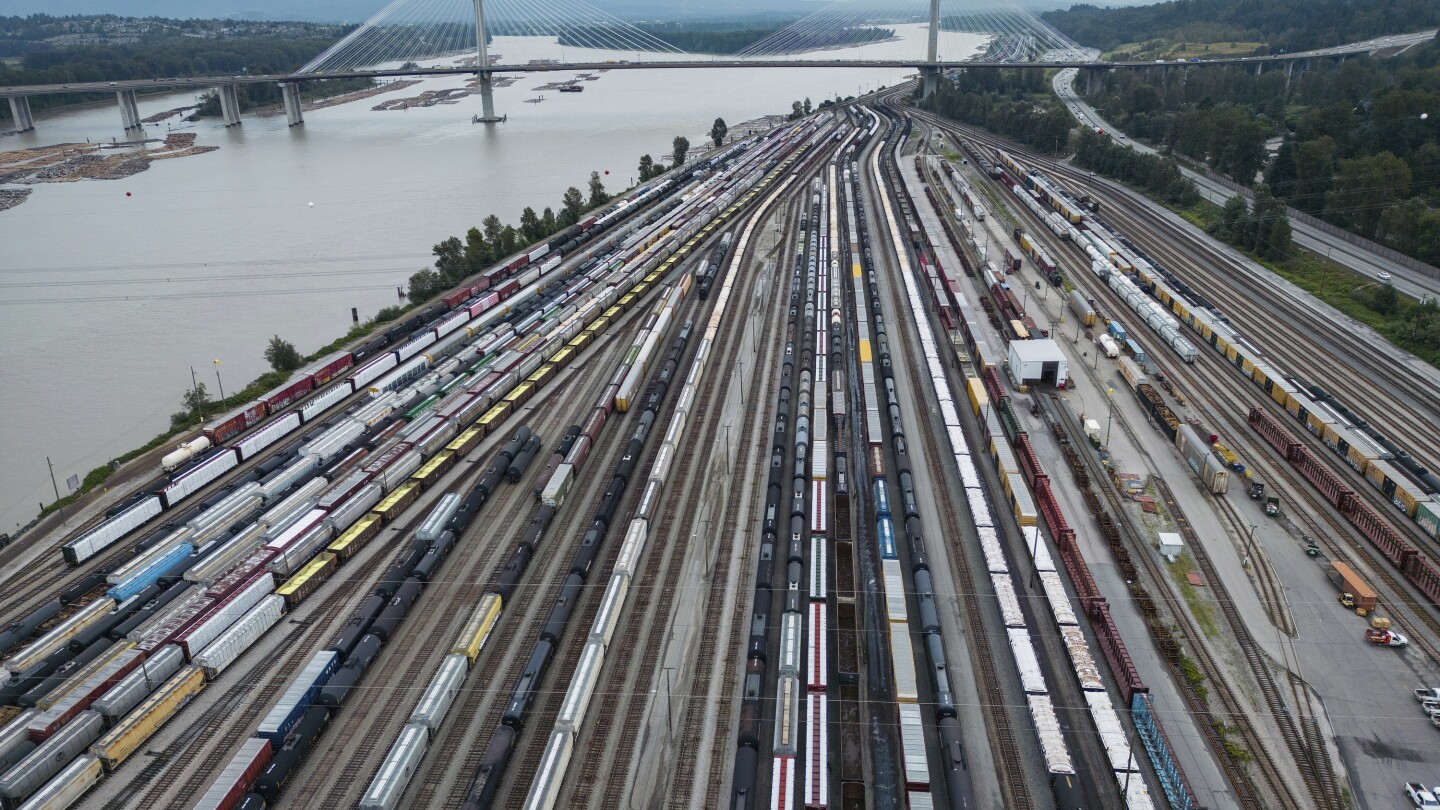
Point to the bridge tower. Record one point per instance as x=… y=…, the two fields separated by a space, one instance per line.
x=482 y=63
x=930 y=76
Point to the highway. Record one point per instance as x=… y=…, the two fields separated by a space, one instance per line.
x=1366 y=263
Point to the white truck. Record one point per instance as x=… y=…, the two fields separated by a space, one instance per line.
x=1422 y=797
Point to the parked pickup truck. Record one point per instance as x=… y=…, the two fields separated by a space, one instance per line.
x=1387 y=638
x=1422 y=797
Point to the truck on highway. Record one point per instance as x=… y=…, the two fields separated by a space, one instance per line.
x=1354 y=591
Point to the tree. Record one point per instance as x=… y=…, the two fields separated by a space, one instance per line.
x=547 y=218
x=647 y=167
x=807 y=106
x=530 y=225
x=477 y=252
x=196 y=399
x=681 y=145
x=493 y=230
x=718 y=130
x=1386 y=301
x=450 y=259
x=797 y=111
x=598 y=197
x=423 y=285
x=572 y=206
x=282 y=355
x=1365 y=187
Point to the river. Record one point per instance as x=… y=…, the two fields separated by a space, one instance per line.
x=112 y=291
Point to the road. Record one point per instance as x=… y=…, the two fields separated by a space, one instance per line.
x=1368 y=264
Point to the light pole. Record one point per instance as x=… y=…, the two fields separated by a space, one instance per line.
x=1109 y=420
x=221 y=384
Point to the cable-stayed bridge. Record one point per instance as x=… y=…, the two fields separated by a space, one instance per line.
x=432 y=38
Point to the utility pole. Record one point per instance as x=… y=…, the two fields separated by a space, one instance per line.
x=195 y=388
x=52 y=477
x=221 y=384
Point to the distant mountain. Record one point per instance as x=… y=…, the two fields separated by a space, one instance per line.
x=359 y=10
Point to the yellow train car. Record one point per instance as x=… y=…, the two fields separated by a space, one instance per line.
x=477 y=629
x=310 y=576
x=397 y=501
x=494 y=417
x=541 y=375
x=578 y=343
x=567 y=353
x=434 y=469
x=520 y=394
x=356 y=537
x=865 y=350
x=978 y=397
x=462 y=445
x=126 y=737
x=527 y=344
x=624 y=303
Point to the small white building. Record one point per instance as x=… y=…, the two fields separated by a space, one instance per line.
x=1171 y=544
x=1037 y=362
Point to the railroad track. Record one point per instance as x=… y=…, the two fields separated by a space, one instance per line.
x=1320 y=781
x=361 y=734
x=703 y=685
x=1243 y=787
x=1001 y=728
x=1412 y=414
x=1272 y=592
x=236 y=709
x=1326 y=526
x=478 y=709
x=651 y=605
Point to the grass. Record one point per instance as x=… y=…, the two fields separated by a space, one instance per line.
x=1338 y=286
x=1201 y=609
x=1181 y=51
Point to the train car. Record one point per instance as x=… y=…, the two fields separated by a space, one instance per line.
x=310 y=577
x=127 y=736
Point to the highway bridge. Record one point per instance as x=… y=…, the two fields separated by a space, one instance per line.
x=930 y=65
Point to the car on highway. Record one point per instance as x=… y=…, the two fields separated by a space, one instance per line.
x=1383 y=276
x=1421 y=797
x=114 y=84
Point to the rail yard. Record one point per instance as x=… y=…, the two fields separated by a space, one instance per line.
x=745 y=492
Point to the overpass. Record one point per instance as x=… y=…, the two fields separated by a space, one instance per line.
x=18 y=95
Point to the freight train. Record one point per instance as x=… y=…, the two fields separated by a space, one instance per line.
x=220 y=602
x=1160 y=298
x=1021 y=475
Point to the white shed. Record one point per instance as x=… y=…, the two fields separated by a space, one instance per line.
x=1037 y=362
x=1171 y=544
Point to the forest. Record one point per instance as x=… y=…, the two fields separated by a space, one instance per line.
x=116 y=49
x=1355 y=143
x=1284 y=25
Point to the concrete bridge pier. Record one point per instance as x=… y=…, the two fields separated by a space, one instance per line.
x=487 y=101
x=229 y=104
x=1259 y=68
x=129 y=112
x=929 y=80
x=290 y=91
x=20 y=113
